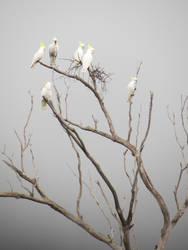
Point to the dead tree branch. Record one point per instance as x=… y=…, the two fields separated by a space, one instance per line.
x=178 y=184
x=67 y=214
x=72 y=132
x=93 y=90
x=80 y=179
x=149 y=122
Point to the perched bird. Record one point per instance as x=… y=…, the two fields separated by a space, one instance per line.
x=87 y=58
x=131 y=88
x=38 y=55
x=46 y=93
x=78 y=54
x=53 y=51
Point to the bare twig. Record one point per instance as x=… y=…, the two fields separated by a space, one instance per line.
x=80 y=179
x=130 y=107
x=138 y=69
x=26 y=140
x=34 y=165
x=177 y=185
x=111 y=211
x=132 y=205
x=90 y=188
x=125 y=169
x=66 y=100
x=107 y=202
x=130 y=121
x=149 y=122
x=58 y=98
x=67 y=214
x=137 y=130
x=26 y=177
x=23 y=186
x=183 y=103
x=173 y=121
x=147 y=181
x=111 y=235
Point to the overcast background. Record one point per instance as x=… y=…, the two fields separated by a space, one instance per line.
x=123 y=33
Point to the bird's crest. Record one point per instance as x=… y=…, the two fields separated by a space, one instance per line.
x=54 y=38
x=89 y=46
x=80 y=43
x=42 y=44
x=48 y=84
x=133 y=78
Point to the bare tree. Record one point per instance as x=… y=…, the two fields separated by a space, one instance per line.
x=125 y=221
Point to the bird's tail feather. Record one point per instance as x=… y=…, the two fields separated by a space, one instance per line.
x=84 y=70
x=32 y=65
x=43 y=104
x=52 y=61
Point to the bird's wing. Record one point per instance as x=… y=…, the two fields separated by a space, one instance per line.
x=87 y=58
x=37 y=57
x=53 y=50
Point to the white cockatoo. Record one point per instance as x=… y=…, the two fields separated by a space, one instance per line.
x=46 y=93
x=131 y=88
x=78 y=54
x=38 y=55
x=53 y=51
x=87 y=58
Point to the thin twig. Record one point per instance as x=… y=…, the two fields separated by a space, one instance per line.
x=23 y=186
x=80 y=179
x=107 y=202
x=111 y=235
x=130 y=121
x=138 y=69
x=27 y=122
x=26 y=177
x=178 y=184
x=58 y=99
x=149 y=122
x=183 y=103
x=34 y=165
x=66 y=100
x=125 y=169
x=97 y=202
x=137 y=129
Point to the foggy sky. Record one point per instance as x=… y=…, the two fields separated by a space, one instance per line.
x=123 y=33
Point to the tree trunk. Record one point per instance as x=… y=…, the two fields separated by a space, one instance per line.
x=126 y=240
x=164 y=237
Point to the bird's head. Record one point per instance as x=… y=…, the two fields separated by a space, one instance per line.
x=133 y=78
x=42 y=45
x=90 y=48
x=81 y=44
x=48 y=85
x=54 y=39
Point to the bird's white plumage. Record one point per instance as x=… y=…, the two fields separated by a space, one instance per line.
x=78 y=54
x=47 y=93
x=87 y=58
x=131 y=88
x=53 y=51
x=38 y=55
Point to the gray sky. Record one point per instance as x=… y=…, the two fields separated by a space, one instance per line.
x=123 y=33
